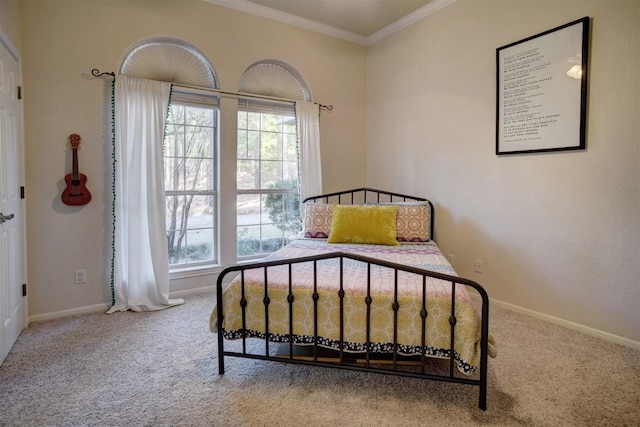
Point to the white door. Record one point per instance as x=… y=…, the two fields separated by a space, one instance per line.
x=12 y=303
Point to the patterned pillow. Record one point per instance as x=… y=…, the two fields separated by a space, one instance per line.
x=317 y=220
x=413 y=223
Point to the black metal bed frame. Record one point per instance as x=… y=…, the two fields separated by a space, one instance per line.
x=361 y=195
x=343 y=359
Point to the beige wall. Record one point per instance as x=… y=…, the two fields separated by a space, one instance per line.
x=559 y=233
x=64 y=40
x=10 y=23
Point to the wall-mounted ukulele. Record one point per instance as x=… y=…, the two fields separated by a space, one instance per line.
x=76 y=193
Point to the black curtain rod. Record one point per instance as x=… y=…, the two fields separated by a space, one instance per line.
x=96 y=73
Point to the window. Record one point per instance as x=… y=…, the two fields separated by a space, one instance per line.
x=190 y=184
x=268 y=187
x=190 y=147
x=268 y=203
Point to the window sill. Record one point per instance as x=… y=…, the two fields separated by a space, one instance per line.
x=251 y=260
x=205 y=270
x=185 y=272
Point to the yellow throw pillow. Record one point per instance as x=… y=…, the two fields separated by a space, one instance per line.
x=371 y=224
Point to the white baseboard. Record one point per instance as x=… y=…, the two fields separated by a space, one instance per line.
x=104 y=307
x=211 y=289
x=570 y=325
x=71 y=312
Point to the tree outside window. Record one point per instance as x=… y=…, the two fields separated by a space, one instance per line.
x=189 y=175
x=267 y=178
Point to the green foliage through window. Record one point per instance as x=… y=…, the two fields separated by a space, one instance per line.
x=284 y=208
x=189 y=180
x=267 y=162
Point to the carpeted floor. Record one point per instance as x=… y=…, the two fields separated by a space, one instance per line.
x=160 y=369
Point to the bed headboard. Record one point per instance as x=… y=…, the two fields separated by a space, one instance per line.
x=364 y=195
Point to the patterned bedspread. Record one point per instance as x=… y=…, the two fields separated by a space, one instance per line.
x=438 y=304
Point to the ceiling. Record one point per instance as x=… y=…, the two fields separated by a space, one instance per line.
x=363 y=17
x=360 y=21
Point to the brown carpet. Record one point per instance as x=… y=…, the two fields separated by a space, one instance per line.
x=160 y=369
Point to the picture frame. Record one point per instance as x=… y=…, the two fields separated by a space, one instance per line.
x=541 y=92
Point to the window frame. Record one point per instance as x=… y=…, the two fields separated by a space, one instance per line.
x=195 y=98
x=248 y=105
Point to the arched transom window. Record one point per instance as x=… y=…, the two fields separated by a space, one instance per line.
x=169 y=60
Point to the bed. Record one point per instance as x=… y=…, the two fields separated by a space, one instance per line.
x=365 y=287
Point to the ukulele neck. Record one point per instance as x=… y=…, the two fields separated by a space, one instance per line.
x=75 y=172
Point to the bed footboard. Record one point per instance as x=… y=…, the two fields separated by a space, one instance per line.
x=394 y=365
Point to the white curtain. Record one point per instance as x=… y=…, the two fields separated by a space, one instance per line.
x=308 y=123
x=141 y=260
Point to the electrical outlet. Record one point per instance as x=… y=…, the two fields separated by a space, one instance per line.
x=81 y=276
x=479 y=266
x=452 y=259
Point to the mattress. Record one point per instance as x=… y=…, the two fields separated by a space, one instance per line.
x=357 y=282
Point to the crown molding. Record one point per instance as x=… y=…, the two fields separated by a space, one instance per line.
x=287 y=18
x=405 y=21
x=308 y=24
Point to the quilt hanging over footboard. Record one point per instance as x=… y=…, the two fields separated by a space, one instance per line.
x=324 y=278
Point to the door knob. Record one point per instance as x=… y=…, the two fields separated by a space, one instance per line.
x=4 y=218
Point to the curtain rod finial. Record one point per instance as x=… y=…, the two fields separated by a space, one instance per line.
x=96 y=73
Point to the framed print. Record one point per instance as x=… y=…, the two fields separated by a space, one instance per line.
x=542 y=91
